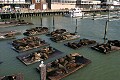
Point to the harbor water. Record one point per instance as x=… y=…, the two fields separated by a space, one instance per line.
x=103 y=67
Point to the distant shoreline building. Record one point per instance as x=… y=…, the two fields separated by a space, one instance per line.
x=112 y=3
x=68 y=4
x=14 y=4
x=25 y=5
x=39 y=5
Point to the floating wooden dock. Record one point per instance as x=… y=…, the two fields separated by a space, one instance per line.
x=57 y=73
x=108 y=47
x=19 y=43
x=80 y=43
x=13 y=77
x=25 y=56
x=36 y=31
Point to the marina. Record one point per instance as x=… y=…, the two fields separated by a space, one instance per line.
x=103 y=67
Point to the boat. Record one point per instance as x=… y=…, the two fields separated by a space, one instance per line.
x=110 y=46
x=28 y=43
x=80 y=43
x=64 y=66
x=39 y=55
x=36 y=31
x=13 y=77
x=75 y=12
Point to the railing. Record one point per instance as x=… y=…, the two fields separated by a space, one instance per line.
x=58 y=10
x=37 y=11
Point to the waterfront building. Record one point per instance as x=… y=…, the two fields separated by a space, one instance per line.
x=39 y=5
x=94 y=4
x=8 y=5
x=112 y=3
x=68 y=4
x=22 y=5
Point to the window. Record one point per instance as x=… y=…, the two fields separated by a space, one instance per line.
x=37 y=1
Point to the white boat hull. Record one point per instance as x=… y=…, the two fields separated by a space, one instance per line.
x=74 y=13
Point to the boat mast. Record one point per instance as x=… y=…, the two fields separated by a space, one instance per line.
x=76 y=27
x=42 y=68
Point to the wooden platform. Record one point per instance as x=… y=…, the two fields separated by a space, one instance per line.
x=38 y=30
x=110 y=46
x=13 y=77
x=1 y=39
x=72 y=38
x=6 y=34
x=28 y=43
x=99 y=50
x=80 y=43
x=37 y=34
x=46 y=44
x=23 y=57
x=57 y=73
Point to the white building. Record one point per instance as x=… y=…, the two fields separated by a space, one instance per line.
x=15 y=3
x=68 y=4
x=63 y=4
x=112 y=3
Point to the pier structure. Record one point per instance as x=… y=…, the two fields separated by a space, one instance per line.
x=30 y=13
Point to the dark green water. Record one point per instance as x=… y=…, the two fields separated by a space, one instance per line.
x=103 y=67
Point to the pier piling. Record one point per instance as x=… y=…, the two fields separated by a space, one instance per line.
x=105 y=33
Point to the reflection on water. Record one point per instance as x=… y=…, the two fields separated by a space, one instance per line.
x=103 y=67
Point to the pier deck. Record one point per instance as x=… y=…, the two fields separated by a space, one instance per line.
x=27 y=13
